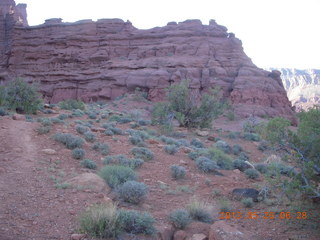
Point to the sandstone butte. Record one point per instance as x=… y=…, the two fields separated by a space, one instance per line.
x=101 y=60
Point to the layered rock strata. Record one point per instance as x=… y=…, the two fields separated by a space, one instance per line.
x=104 y=59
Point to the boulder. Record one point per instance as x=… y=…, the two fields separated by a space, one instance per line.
x=90 y=181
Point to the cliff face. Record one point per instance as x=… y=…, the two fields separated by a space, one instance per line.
x=302 y=86
x=104 y=59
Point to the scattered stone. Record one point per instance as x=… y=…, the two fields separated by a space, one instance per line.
x=153 y=141
x=180 y=235
x=221 y=230
x=18 y=117
x=165 y=232
x=211 y=138
x=49 y=151
x=186 y=149
x=199 y=236
x=90 y=181
x=240 y=193
x=77 y=236
x=202 y=133
x=237 y=171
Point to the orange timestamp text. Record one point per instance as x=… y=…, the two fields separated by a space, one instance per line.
x=263 y=215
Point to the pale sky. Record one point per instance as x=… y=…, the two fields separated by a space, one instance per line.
x=274 y=33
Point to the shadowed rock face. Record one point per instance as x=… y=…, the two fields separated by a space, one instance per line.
x=104 y=59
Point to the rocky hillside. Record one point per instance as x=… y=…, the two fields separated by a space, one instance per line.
x=302 y=86
x=105 y=59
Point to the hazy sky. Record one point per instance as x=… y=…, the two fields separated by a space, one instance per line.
x=274 y=33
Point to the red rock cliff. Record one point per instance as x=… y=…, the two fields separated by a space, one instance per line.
x=104 y=59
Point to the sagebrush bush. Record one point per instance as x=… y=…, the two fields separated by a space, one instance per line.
x=236 y=149
x=69 y=140
x=183 y=106
x=135 y=140
x=223 y=160
x=240 y=164
x=178 y=172
x=251 y=136
x=88 y=163
x=206 y=164
x=199 y=211
x=43 y=129
x=143 y=153
x=194 y=155
x=115 y=175
x=78 y=153
x=252 y=173
x=223 y=146
x=132 y=192
x=89 y=136
x=72 y=104
x=261 y=167
x=101 y=221
x=197 y=143
x=247 y=202
x=180 y=218
x=171 y=149
x=116 y=131
x=103 y=148
x=123 y=160
x=82 y=129
x=135 y=222
x=20 y=96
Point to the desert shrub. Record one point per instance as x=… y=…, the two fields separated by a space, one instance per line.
x=247 y=202
x=281 y=168
x=276 y=130
x=78 y=153
x=223 y=146
x=233 y=135
x=43 y=129
x=115 y=175
x=132 y=192
x=178 y=172
x=135 y=140
x=108 y=132
x=72 y=104
x=82 y=129
x=180 y=218
x=223 y=160
x=199 y=211
x=116 y=131
x=171 y=149
x=194 y=155
x=46 y=122
x=243 y=156
x=3 y=111
x=225 y=205
x=206 y=164
x=252 y=173
x=69 y=140
x=236 y=149
x=89 y=136
x=108 y=125
x=114 y=118
x=88 y=164
x=143 y=153
x=20 y=96
x=143 y=122
x=135 y=222
x=250 y=125
x=262 y=168
x=63 y=116
x=190 y=112
x=169 y=140
x=103 y=148
x=55 y=120
x=124 y=120
x=77 y=113
x=100 y=221
x=251 y=136
x=197 y=143
x=92 y=115
x=124 y=161
x=240 y=164
x=263 y=145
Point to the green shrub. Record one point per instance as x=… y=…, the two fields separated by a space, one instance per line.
x=197 y=143
x=236 y=149
x=103 y=148
x=240 y=164
x=143 y=153
x=63 y=116
x=88 y=164
x=263 y=145
x=114 y=118
x=251 y=136
x=115 y=175
x=183 y=106
x=116 y=131
x=247 y=202
x=72 y=104
x=78 y=153
x=143 y=122
x=135 y=222
x=123 y=120
x=178 y=172
x=276 y=130
x=82 y=129
x=43 y=129
x=124 y=161
x=225 y=205
x=199 y=211
x=100 y=221
x=252 y=173
x=233 y=135
x=223 y=160
x=108 y=132
x=132 y=192
x=77 y=113
x=69 y=140
x=3 y=111
x=262 y=168
x=180 y=218
x=194 y=155
x=206 y=165
x=89 y=136
x=20 y=96
x=171 y=149
x=223 y=146
x=135 y=140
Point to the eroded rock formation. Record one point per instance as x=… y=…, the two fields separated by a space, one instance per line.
x=104 y=59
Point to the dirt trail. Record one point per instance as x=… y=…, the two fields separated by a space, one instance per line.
x=28 y=209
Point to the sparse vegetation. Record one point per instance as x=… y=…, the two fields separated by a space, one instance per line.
x=69 y=140
x=247 y=202
x=200 y=211
x=143 y=153
x=180 y=218
x=88 y=163
x=72 y=104
x=206 y=165
x=252 y=173
x=89 y=136
x=171 y=149
x=178 y=172
x=78 y=153
x=132 y=192
x=115 y=175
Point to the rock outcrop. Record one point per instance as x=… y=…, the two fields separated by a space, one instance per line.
x=302 y=86
x=104 y=59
